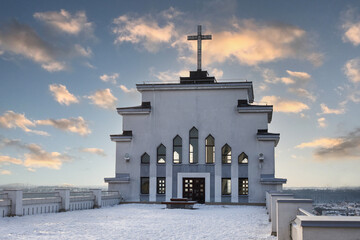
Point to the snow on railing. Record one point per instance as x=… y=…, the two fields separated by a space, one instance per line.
x=17 y=203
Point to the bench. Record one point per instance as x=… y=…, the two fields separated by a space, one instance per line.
x=183 y=203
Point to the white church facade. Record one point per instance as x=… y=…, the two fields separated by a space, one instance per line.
x=198 y=139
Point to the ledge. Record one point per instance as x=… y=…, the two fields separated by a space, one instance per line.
x=274 y=181
x=126 y=136
x=116 y=180
x=143 y=109
x=295 y=200
x=244 y=107
x=328 y=221
x=120 y=178
x=211 y=86
x=263 y=135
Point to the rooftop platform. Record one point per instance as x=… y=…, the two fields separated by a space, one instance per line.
x=143 y=221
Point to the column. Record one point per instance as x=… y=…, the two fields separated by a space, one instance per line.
x=97 y=194
x=16 y=197
x=64 y=193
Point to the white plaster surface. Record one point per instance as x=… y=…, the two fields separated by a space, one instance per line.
x=140 y=221
x=211 y=111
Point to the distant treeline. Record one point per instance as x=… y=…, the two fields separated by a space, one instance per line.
x=327 y=195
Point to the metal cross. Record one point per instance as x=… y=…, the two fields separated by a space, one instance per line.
x=199 y=37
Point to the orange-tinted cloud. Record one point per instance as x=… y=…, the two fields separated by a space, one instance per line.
x=103 y=98
x=96 y=151
x=342 y=148
x=326 y=110
x=285 y=105
x=75 y=125
x=7 y=160
x=63 y=21
x=35 y=156
x=11 y=119
x=62 y=95
x=321 y=142
x=352 y=70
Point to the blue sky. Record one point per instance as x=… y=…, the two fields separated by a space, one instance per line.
x=66 y=65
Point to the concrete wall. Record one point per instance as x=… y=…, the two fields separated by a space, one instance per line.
x=326 y=228
x=211 y=112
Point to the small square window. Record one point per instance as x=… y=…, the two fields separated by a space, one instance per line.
x=243 y=186
x=161 y=185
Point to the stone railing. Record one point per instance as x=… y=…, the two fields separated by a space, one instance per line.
x=292 y=219
x=17 y=203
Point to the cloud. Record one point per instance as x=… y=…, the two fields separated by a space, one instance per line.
x=218 y=73
x=96 y=151
x=23 y=40
x=287 y=80
x=326 y=110
x=75 y=125
x=85 y=52
x=5 y=172
x=103 y=98
x=7 y=159
x=253 y=43
x=322 y=122
x=36 y=156
x=321 y=142
x=351 y=27
x=352 y=70
x=110 y=78
x=62 y=95
x=144 y=31
x=285 y=105
x=343 y=148
x=169 y=76
x=127 y=90
x=11 y=119
x=301 y=92
x=63 y=21
x=301 y=75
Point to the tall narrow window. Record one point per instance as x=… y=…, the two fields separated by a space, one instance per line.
x=160 y=185
x=144 y=185
x=226 y=186
x=243 y=186
x=145 y=158
x=226 y=154
x=210 y=149
x=243 y=158
x=177 y=149
x=193 y=145
x=161 y=154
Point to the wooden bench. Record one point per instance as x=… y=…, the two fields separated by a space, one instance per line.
x=179 y=203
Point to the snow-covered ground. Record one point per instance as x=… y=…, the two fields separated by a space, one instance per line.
x=143 y=221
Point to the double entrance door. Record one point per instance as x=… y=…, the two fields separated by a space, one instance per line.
x=194 y=189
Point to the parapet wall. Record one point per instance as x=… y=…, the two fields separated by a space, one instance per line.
x=17 y=203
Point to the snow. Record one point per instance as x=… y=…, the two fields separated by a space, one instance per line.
x=143 y=221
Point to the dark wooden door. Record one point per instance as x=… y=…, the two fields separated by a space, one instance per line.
x=194 y=189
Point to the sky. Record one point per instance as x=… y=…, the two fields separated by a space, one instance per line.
x=66 y=65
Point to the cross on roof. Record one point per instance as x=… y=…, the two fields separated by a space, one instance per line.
x=199 y=37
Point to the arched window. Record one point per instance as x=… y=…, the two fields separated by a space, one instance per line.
x=243 y=158
x=210 y=149
x=145 y=158
x=193 y=145
x=161 y=154
x=226 y=154
x=177 y=149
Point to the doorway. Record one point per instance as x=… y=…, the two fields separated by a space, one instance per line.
x=194 y=189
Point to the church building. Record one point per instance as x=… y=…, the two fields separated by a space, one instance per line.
x=198 y=139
